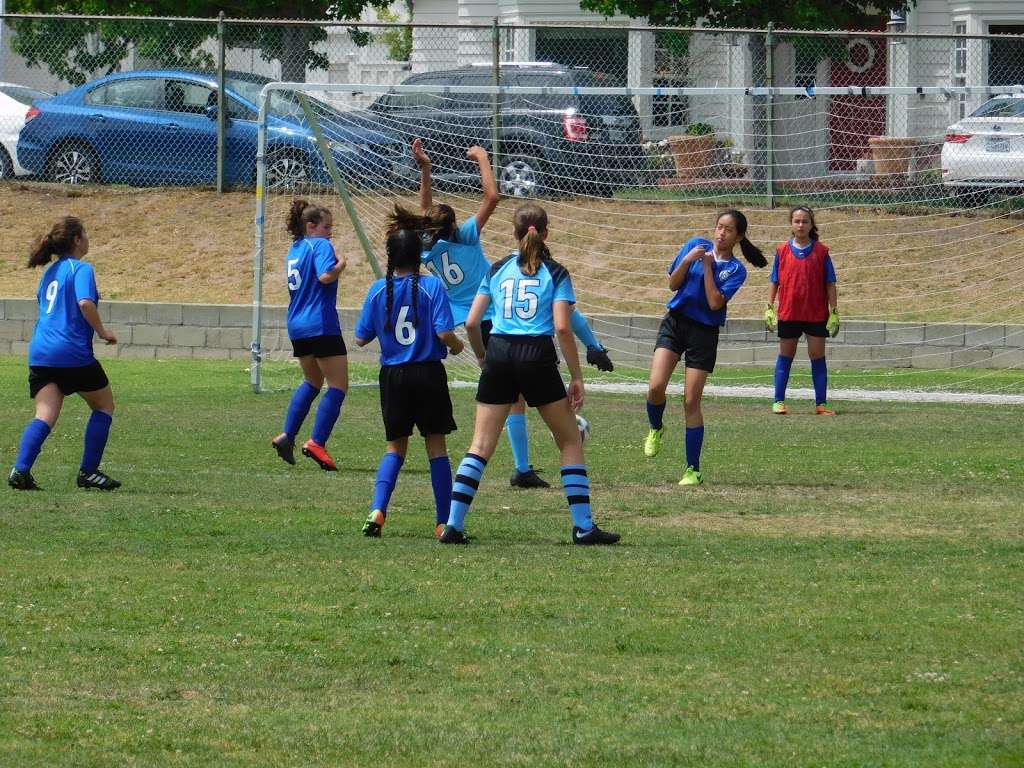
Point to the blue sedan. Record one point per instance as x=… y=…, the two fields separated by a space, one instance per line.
x=160 y=127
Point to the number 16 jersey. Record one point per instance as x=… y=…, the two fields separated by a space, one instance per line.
x=461 y=265
x=524 y=304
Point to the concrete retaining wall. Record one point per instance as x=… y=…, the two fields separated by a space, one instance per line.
x=223 y=331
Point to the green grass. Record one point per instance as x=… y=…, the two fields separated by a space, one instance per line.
x=841 y=592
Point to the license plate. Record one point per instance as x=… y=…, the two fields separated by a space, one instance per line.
x=997 y=145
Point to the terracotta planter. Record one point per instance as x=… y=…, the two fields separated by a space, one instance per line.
x=692 y=155
x=891 y=154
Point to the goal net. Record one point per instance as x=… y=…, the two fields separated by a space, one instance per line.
x=929 y=276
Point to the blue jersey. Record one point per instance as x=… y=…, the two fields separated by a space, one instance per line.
x=461 y=265
x=691 y=299
x=404 y=342
x=524 y=304
x=62 y=337
x=312 y=306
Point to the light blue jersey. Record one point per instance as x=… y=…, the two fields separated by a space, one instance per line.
x=524 y=304
x=62 y=337
x=461 y=265
x=691 y=299
x=312 y=306
x=401 y=341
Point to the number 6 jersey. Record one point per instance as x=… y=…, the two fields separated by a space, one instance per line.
x=523 y=304
x=62 y=337
x=408 y=335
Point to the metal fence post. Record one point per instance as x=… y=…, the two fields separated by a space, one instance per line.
x=496 y=98
x=222 y=102
x=769 y=127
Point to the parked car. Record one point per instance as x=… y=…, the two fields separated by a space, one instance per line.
x=985 y=151
x=565 y=143
x=160 y=127
x=14 y=103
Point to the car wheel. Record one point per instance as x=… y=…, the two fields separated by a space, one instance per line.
x=74 y=163
x=520 y=176
x=6 y=166
x=288 y=169
x=969 y=197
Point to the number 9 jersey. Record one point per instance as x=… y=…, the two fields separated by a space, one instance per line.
x=409 y=335
x=62 y=337
x=524 y=304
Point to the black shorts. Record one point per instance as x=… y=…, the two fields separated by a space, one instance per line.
x=319 y=346
x=485 y=331
x=520 y=365
x=696 y=341
x=415 y=394
x=793 y=329
x=85 y=378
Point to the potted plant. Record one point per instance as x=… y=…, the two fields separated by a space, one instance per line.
x=693 y=152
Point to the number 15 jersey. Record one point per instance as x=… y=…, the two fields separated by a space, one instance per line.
x=524 y=304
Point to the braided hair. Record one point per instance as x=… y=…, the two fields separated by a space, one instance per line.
x=403 y=248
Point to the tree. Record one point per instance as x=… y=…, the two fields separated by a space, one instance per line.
x=789 y=14
x=76 y=50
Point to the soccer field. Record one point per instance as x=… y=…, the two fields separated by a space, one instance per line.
x=840 y=592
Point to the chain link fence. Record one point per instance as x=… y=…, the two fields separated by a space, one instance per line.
x=693 y=117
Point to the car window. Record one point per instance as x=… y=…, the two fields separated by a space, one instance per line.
x=473 y=100
x=602 y=105
x=141 y=94
x=414 y=101
x=1000 y=108
x=543 y=80
x=22 y=94
x=183 y=96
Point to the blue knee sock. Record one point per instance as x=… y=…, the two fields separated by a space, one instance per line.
x=582 y=329
x=467 y=480
x=31 y=444
x=819 y=375
x=656 y=414
x=327 y=414
x=96 y=433
x=441 y=481
x=387 y=476
x=576 y=485
x=515 y=426
x=782 y=368
x=694 y=443
x=298 y=408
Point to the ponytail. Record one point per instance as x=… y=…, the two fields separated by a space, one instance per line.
x=750 y=251
x=531 y=224
x=303 y=212
x=58 y=242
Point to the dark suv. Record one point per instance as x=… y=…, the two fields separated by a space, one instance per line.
x=549 y=143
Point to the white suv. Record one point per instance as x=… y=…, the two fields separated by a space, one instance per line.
x=986 y=149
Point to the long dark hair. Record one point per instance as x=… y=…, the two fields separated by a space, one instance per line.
x=810 y=214
x=60 y=241
x=531 y=222
x=301 y=213
x=750 y=251
x=404 y=247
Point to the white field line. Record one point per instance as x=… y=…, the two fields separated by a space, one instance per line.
x=797 y=393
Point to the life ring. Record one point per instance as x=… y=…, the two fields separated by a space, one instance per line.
x=869 y=60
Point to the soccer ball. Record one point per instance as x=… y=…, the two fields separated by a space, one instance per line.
x=584 y=427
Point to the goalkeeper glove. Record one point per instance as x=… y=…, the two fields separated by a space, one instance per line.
x=771 y=320
x=832 y=324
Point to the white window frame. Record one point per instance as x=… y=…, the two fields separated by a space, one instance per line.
x=959 y=66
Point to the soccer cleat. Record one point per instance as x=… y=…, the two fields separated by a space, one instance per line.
x=22 y=481
x=652 y=445
x=824 y=409
x=97 y=480
x=452 y=535
x=692 y=477
x=598 y=358
x=285 y=448
x=373 y=525
x=528 y=479
x=780 y=408
x=319 y=454
x=438 y=530
x=594 y=536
